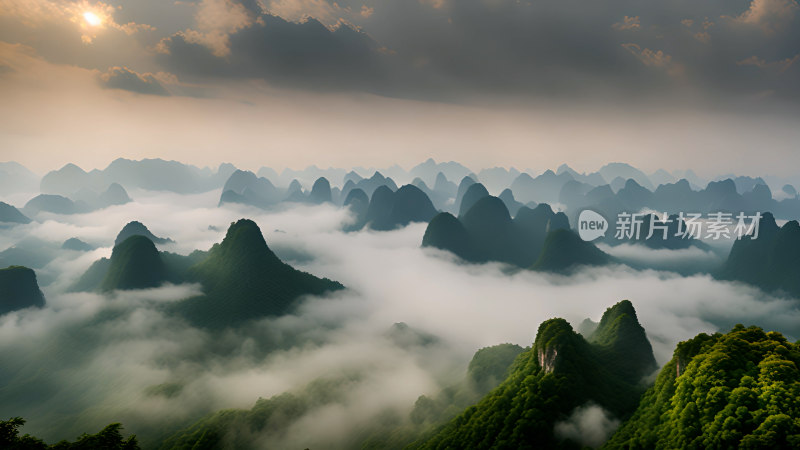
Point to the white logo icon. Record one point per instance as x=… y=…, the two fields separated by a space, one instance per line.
x=591 y=225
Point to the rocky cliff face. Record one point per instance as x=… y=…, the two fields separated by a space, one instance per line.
x=547 y=359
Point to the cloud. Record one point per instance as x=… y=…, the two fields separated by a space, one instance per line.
x=215 y=21
x=689 y=260
x=305 y=53
x=628 y=23
x=649 y=57
x=781 y=65
x=128 y=80
x=770 y=15
x=702 y=36
x=467 y=51
x=589 y=425
x=366 y=12
x=43 y=13
x=322 y=10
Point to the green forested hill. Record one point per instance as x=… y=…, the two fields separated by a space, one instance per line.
x=564 y=249
x=243 y=279
x=737 y=390
x=560 y=372
x=135 y=264
x=19 y=289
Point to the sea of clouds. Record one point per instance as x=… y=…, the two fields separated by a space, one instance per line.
x=88 y=359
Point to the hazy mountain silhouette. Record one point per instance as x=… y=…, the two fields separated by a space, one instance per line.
x=660 y=177
x=543 y=189
x=136 y=228
x=486 y=232
x=429 y=170
x=15 y=177
x=161 y=175
x=10 y=214
x=358 y=202
x=114 y=195
x=444 y=186
x=771 y=261
x=150 y=174
x=497 y=178
x=626 y=172
x=245 y=187
x=592 y=179
x=507 y=196
x=474 y=192
x=320 y=192
x=369 y=185
x=463 y=185
x=56 y=204
x=76 y=245
x=389 y=210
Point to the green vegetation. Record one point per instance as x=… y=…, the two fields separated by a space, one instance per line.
x=19 y=289
x=92 y=278
x=267 y=421
x=486 y=232
x=109 y=438
x=737 y=390
x=243 y=279
x=447 y=233
x=563 y=250
x=561 y=372
x=135 y=264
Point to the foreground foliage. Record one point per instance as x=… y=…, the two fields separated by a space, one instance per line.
x=737 y=390
x=109 y=438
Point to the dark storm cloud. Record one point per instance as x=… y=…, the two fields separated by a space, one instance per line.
x=449 y=49
x=306 y=53
x=128 y=80
x=461 y=49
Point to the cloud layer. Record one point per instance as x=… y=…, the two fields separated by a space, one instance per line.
x=454 y=50
x=99 y=359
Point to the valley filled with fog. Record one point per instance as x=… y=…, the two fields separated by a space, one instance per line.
x=406 y=323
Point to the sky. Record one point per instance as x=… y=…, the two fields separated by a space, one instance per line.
x=707 y=85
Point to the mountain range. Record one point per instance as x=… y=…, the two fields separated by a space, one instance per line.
x=241 y=277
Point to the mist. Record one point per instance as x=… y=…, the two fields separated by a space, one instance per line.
x=86 y=359
x=589 y=425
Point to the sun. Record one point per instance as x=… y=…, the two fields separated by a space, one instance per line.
x=92 y=19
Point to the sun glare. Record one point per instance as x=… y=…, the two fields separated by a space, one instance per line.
x=92 y=18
